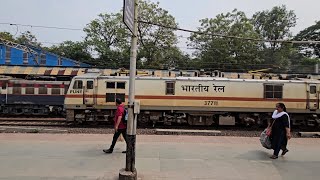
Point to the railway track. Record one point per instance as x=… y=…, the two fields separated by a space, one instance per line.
x=103 y=128
x=33 y=122
x=30 y=119
x=52 y=122
x=26 y=121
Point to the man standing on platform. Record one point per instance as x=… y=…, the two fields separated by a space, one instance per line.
x=119 y=126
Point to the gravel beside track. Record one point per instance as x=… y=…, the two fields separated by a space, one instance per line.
x=152 y=131
x=34 y=123
x=71 y=128
x=146 y=131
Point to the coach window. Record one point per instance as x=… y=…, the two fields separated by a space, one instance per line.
x=170 y=88
x=273 y=91
x=8 y=55
x=25 y=58
x=77 y=84
x=55 y=89
x=111 y=85
x=29 y=89
x=43 y=89
x=16 y=89
x=59 y=61
x=110 y=97
x=43 y=59
x=4 y=84
x=89 y=84
x=121 y=85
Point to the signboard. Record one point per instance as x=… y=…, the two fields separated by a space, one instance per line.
x=128 y=14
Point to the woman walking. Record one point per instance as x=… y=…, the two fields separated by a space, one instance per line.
x=280 y=133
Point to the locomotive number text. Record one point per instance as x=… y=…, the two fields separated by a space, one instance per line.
x=76 y=91
x=211 y=103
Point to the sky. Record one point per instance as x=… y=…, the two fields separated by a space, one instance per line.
x=78 y=13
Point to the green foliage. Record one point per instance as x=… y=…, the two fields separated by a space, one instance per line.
x=233 y=54
x=72 y=50
x=107 y=32
x=28 y=38
x=311 y=33
x=7 y=36
x=24 y=38
x=109 y=38
x=157 y=45
x=275 y=25
x=216 y=51
x=107 y=42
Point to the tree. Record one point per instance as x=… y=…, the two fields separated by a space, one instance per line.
x=7 y=36
x=107 y=32
x=28 y=38
x=275 y=25
x=311 y=33
x=171 y=58
x=108 y=36
x=156 y=43
x=225 y=53
x=73 y=50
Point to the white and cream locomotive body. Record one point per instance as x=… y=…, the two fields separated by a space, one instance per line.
x=194 y=100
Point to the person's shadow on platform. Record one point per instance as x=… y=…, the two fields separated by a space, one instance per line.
x=255 y=155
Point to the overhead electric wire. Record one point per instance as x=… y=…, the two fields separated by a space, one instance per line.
x=40 y=26
x=179 y=29
x=228 y=36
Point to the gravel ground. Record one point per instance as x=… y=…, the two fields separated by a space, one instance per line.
x=227 y=131
x=238 y=133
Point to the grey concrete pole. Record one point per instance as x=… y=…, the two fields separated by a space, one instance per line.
x=130 y=172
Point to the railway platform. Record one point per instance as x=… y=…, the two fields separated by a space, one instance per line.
x=80 y=156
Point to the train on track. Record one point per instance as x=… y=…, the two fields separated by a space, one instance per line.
x=27 y=98
x=203 y=101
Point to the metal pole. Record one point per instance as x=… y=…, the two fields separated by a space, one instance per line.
x=7 y=92
x=131 y=130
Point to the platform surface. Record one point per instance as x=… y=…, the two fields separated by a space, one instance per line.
x=72 y=157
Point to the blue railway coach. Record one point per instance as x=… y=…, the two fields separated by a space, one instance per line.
x=17 y=54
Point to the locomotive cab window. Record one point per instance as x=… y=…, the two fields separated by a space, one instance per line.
x=111 y=85
x=272 y=91
x=89 y=84
x=170 y=88
x=77 y=84
x=118 y=85
x=313 y=89
x=121 y=85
